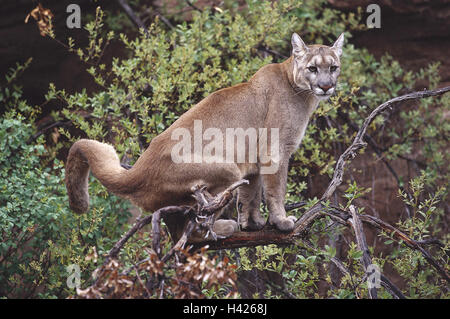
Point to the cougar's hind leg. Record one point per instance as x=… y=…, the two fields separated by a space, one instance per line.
x=216 y=177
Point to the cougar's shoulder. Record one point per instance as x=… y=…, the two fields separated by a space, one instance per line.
x=270 y=74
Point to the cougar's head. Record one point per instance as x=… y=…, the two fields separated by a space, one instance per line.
x=316 y=67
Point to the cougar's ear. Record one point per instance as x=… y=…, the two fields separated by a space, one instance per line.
x=337 y=46
x=299 y=47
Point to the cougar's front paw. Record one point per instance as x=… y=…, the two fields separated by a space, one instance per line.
x=284 y=224
x=258 y=222
x=253 y=224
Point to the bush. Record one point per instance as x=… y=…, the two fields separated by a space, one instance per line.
x=39 y=234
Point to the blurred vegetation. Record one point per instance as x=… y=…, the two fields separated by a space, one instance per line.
x=165 y=72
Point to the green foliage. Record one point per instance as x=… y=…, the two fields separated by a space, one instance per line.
x=425 y=223
x=11 y=92
x=39 y=235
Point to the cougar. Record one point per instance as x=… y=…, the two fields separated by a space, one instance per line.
x=276 y=103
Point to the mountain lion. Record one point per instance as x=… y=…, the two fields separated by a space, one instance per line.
x=279 y=98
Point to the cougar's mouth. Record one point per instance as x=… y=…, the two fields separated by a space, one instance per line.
x=323 y=95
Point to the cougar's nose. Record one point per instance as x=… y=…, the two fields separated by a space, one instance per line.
x=325 y=87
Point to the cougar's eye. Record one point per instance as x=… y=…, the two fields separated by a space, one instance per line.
x=333 y=68
x=312 y=69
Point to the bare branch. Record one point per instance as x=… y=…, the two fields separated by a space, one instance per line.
x=156 y=224
x=378 y=151
x=366 y=260
x=133 y=16
x=359 y=143
x=193 y=6
x=140 y=223
x=393 y=289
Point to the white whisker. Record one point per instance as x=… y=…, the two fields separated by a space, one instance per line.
x=301 y=91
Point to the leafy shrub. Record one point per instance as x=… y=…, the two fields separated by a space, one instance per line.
x=39 y=235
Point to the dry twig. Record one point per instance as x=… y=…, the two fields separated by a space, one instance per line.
x=366 y=260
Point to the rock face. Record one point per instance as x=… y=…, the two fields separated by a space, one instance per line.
x=415 y=32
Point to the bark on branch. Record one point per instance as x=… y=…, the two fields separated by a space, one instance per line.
x=132 y=15
x=366 y=260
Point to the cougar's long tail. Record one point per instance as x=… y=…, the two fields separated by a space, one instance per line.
x=102 y=160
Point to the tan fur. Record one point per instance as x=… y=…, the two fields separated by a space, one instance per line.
x=279 y=96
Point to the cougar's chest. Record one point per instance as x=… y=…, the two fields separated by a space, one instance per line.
x=294 y=137
x=297 y=124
